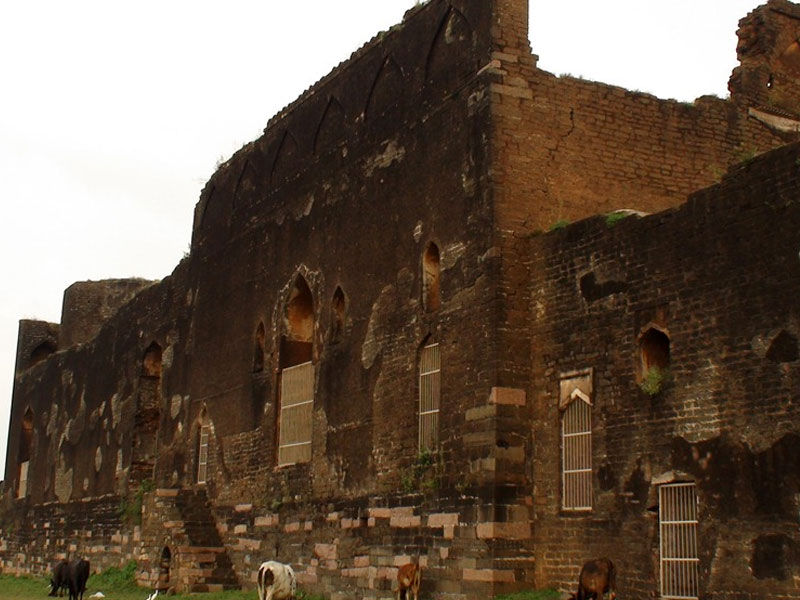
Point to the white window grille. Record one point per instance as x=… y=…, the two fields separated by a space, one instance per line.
x=22 y=491
x=576 y=454
x=202 y=454
x=297 y=404
x=677 y=514
x=429 y=396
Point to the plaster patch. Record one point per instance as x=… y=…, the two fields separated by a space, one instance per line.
x=116 y=410
x=52 y=422
x=98 y=459
x=175 y=405
x=417 y=231
x=452 y=254
x=63 y=485
x=166 y=357
x=390 y=154
x=76 y=425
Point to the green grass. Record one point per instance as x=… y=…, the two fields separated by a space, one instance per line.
x=116 y=584
x=531 y=595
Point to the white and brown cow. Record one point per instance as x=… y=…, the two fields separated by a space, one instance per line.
x=276 y=581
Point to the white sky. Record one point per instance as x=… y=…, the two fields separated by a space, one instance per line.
x=113 y=114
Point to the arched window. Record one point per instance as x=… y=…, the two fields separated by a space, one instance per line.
x=575 y=403
x=430 y=380
x=296 y=377
x=430 y=278
x=258 y=349
x=337 y=315
x=24 y=453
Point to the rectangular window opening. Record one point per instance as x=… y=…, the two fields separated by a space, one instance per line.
x=202 y=455
x=677 y=515
x=297 y=406
x=576 y=456
x=429 y=397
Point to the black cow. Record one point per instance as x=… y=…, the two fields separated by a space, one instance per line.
x=76 y=578
x=59 y=580
x=597 y=577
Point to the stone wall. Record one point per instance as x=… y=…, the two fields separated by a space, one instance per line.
x=34 y=537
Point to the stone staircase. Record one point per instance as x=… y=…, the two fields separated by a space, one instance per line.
x=198 y=559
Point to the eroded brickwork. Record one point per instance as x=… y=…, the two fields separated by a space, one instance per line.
x=399 y=203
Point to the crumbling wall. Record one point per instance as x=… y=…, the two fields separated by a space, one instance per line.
x=720 y=275
x=89 y=304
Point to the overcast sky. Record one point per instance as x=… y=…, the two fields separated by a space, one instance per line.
x=113 y=114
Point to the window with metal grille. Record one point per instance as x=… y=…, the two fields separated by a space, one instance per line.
x=677 y=514
x=576 y=455
x=202 y=454
x=429 y=395
x=297 y=404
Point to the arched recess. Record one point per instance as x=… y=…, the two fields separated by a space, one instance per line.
x=654 y=359
x=146 y=419
x=387 y=90
x=24 y=453
x=431 y=275
x=449 y=60
x=164 y=564
x=244 y=183
x=41 y=352
x=285 y=158
x=296 y=390
x=259 y=348
x=338 y=315
x=331 y=125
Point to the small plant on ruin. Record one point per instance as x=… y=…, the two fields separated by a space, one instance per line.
x=560 y=224
x=130 y=509
x=615 y=217
x=654 y=380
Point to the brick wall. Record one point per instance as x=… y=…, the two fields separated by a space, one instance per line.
x=721 y=275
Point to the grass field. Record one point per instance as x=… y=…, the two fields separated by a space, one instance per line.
x=31 y=588
x=114 y=587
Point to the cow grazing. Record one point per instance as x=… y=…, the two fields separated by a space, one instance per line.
x=59 y=580
x=597 y=577
x=276 y=581
x=408 y=577
x=77 y=574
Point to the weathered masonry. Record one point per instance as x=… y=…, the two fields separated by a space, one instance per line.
x=374 y=353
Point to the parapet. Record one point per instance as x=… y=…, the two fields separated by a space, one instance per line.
x=89 y=304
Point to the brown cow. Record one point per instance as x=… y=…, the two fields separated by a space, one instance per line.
x=408 y=581
x=597 y=577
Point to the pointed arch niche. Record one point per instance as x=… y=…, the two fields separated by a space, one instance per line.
x=431 y=296
x=296 y=400
x=24 y=453
x=148 y=412
x=448 y=63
